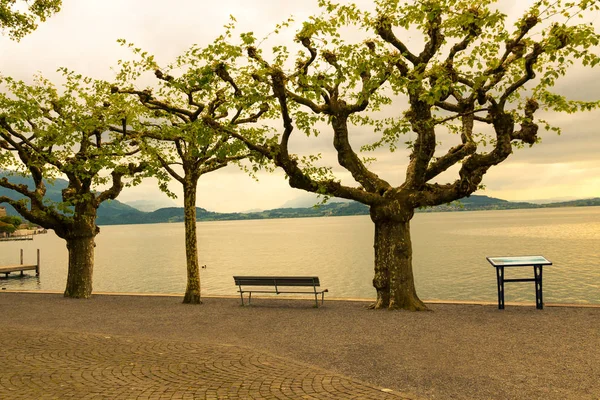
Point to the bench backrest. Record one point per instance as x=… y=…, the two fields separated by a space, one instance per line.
x=276 y=280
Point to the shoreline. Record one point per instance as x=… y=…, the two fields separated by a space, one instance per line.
x=343 y=299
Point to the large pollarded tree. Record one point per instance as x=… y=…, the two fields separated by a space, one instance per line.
x=20 y=17
x=474 y=76
x=174 y=126
x=45 y=134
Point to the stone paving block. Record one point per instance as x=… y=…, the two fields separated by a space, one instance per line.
x=52 y=365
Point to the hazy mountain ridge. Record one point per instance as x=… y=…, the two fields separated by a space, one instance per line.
x=473 y=203
x=147 y=205
x=116 y=213
x=54 y=193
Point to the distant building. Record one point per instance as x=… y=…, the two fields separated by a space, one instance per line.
x=2 y=211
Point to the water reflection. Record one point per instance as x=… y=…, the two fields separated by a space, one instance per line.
x=449 y=254
x=15 y=281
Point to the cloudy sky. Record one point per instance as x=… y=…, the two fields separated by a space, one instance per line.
x=82 y=37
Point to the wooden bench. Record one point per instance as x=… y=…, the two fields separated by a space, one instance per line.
x=262 y=282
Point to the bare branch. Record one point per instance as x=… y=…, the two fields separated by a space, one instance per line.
x=221 y=71
x=530 y=60
x=331 y=59
x=325 y=109
x=436 y=40
x=146 y=98
x=384 y=30
x=42 y=219
x=253 y=118
x=117 y=181
x=302 y=67
x=457 y=153
x=529 y=130
x=367 y=90
x=168 y=168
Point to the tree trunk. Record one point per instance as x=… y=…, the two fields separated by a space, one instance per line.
x=192 y=291
x=394 y=279
x=81 y=266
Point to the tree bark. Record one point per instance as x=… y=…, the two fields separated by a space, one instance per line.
x=192 y=291
x=394 y=281
x=81 y=266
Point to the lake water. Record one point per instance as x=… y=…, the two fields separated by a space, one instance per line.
x=449 y=255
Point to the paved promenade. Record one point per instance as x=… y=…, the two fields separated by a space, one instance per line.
x=41 y=364
x=143 y=347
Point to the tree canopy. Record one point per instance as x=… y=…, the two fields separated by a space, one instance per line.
x=20 y=17
x=460 y=95
x=71 y=131
x=9 y=224
x=175 y=127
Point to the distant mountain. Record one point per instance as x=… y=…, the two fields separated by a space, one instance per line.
x=551 y=200
x=150 y=205
x=307 y=199
x=574 y=203
x=473 y=203
x=115 y=213
x=54 y=193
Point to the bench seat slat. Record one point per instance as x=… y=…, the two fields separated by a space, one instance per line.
x=279 y=291
x=277 y=280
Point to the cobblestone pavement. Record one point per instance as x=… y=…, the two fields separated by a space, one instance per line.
x=51 y=365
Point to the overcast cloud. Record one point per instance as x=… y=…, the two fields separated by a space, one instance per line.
x=83 y=37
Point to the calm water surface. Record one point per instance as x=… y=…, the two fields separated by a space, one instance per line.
x=449 y=254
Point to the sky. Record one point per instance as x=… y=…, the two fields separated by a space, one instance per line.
x=82 y=37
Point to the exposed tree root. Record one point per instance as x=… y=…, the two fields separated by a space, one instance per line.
x=192 y=298
x=413 y=305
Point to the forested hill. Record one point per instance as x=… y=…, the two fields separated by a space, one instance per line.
x=473 y=203
x=54 y=193
x=114 y=212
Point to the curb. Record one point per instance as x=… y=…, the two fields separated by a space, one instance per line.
x=447 y=302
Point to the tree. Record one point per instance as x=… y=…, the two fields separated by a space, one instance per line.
x=475 y=81
x=46 y=134
x=7 y=228
x=9 y=224
x=13 y=220
x=19 y=17
x=176 y=134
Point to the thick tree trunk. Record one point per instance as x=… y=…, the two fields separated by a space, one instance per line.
x=394 y=279
x=192 y=291
x=81 y=266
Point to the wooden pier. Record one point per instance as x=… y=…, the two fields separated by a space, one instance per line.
x=13 y=238
x=7 y=269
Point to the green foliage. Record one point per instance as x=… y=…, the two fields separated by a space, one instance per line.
x=12 y=220
x=48 y=132
x=186 y=117
x=410 y=71
x=19 y=17
x=6 y=227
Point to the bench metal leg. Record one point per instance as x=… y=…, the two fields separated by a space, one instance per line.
x=539 y=301
x=500 y=278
